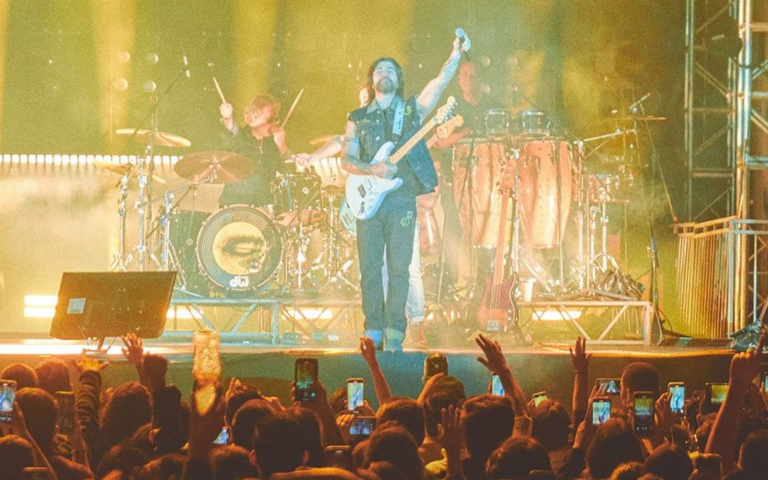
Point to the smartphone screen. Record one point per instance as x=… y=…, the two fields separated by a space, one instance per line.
x=355 y=393
x=677 y=397
x=497 y=388
x=644 y=413
x=613 y=385
x=601 y=410
x=223 y=438
x=538 y=398
x=7 y=397
x=66 y=414
x=765 y=384
x=305 y=377
x=716 y=392
x=362 y=426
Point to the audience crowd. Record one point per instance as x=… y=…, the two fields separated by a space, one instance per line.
x=145 y=430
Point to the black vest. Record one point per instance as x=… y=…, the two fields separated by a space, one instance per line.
x=374 y=131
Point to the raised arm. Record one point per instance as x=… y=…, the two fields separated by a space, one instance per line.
x=430 y=95
x=368 y=351
x=580 y=364
x=744 y=368
x=495 y=362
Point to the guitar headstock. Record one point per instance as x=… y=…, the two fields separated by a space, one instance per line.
x=446 y=111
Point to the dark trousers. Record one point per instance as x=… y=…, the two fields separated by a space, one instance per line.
x=392 y=227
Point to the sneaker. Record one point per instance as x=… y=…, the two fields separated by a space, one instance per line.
x=377 y=336
x=393 y=340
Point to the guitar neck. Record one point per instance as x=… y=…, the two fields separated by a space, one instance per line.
x=407 y=146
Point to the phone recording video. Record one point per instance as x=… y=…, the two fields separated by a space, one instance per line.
x=305 y=373
x=601 y=410
x=7 y=397
x=223 y=438
x=677 y=397
x=66 y=414
x=435 y=363
x=715 y=393
x=361 y=427
x=497 y=389
x=355 y=393
x=339 y=456
x=644 y=413
x=613 y=385
x=539 y=397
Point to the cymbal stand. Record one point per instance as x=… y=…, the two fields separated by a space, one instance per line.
x=122 y=258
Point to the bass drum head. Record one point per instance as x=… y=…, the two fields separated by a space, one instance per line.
x=239 y=248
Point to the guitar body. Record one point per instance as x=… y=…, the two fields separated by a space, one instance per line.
x=366 y=193
x=496 y=305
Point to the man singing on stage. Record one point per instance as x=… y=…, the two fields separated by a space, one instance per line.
x=390 y=117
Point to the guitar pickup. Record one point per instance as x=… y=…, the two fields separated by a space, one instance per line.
x=361 y=190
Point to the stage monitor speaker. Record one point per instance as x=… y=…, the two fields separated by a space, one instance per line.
x=111 y=304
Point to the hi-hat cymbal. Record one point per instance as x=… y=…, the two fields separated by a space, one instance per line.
x=316 y=142
x=122 y=169
x=214 y=167
x=163 y=139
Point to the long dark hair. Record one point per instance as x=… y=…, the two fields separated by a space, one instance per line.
x=400 y=80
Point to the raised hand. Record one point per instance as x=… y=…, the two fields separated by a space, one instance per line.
x=368 y=350
x=226 y=111
x=579 y=357
x=451 y=430
x=133 y=349
x=89 y=364
x=494 y=357
x=745 y=366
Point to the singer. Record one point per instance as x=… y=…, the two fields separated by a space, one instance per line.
x=264 y=142
x=389 y=116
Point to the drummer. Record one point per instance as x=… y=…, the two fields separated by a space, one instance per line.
x=263 y=141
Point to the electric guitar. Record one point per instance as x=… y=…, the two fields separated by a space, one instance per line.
x=365 y=193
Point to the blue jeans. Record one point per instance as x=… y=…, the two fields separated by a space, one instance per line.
x=391 y=229
x=414 y=305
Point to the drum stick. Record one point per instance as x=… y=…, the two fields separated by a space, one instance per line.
x=290 y=111
x=218 y=89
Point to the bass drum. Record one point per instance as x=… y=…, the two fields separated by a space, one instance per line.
x=239 y=248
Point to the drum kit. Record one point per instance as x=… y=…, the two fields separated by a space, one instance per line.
x=240 y=249
x=561 y=185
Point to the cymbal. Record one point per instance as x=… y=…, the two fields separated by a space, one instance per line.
x=163 y=139
x=316 y=142
x=121 y=169
x=214 y=167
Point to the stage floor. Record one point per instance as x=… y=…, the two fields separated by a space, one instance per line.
x=270 y=367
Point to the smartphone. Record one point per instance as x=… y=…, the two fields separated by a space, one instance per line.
x=361 y=427
x=223 y=438
x=306 y=377
x=601 y=410
x=497 y=389
x=676 y=397
x=355 y=393
x=708 y=463
x=539 y=397
x=66 y=415
x=35 y=473
x=613 y=387
x=435 y=363
x=339 y=456
x=644 y=413
x=715 y=393
x=7 y=397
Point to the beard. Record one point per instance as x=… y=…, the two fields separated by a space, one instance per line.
x=386 y=86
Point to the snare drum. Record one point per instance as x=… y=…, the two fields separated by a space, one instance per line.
x=239 y=248
x=297 y=199
x=533 y=124
x=546 y=182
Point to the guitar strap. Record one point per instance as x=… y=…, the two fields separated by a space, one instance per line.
x=397 y=125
